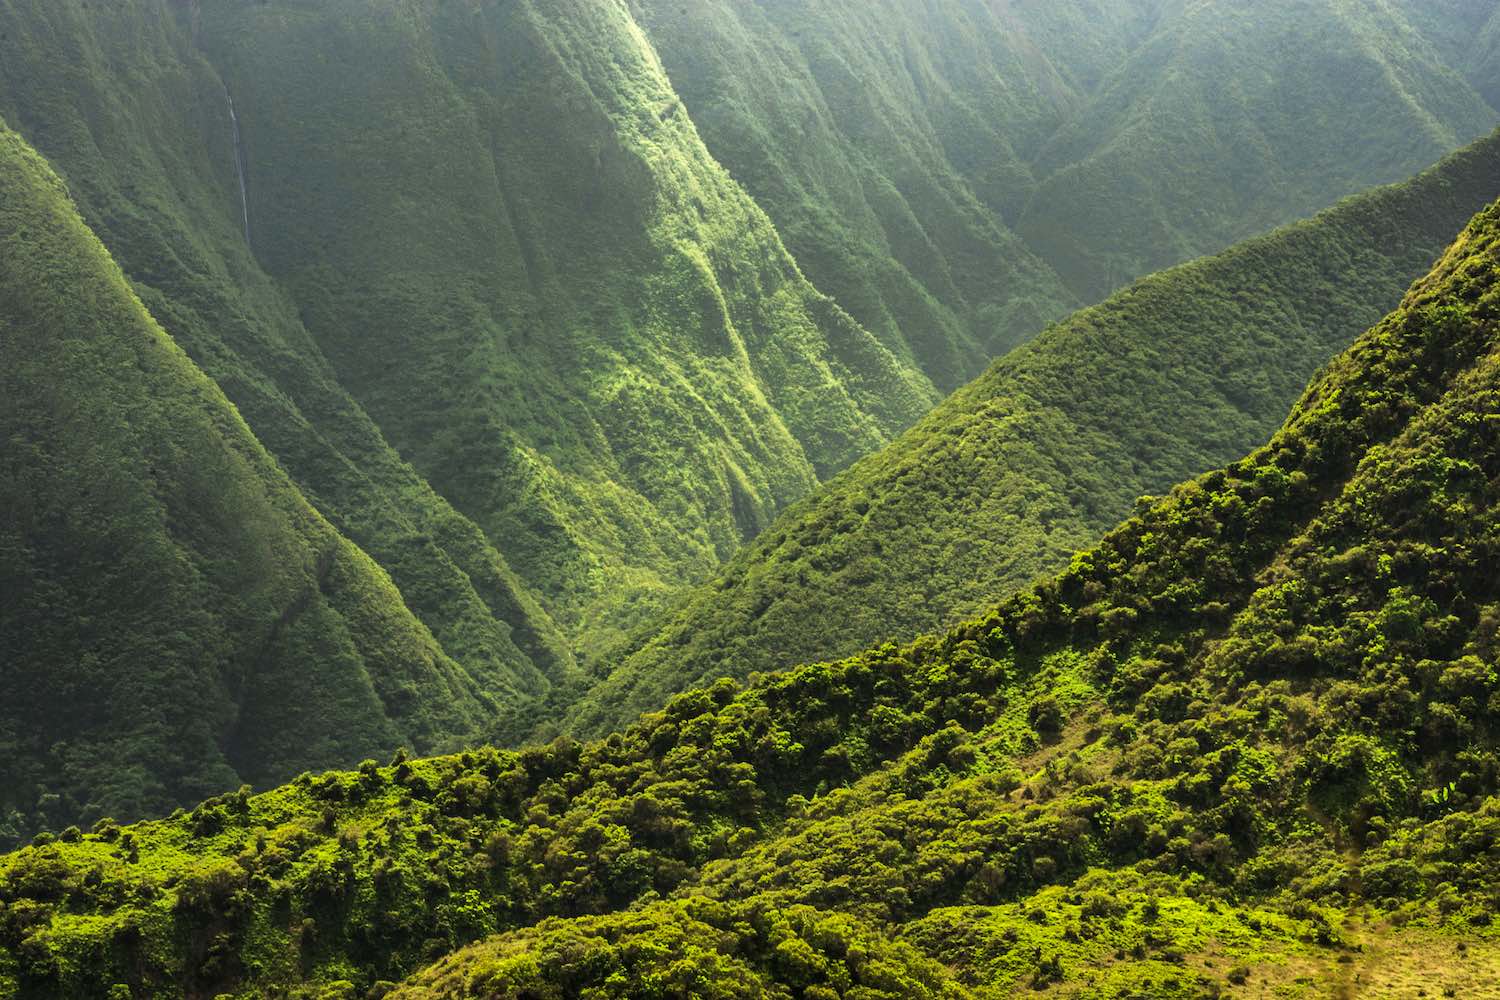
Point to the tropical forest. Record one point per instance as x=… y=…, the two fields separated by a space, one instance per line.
x=749 y=499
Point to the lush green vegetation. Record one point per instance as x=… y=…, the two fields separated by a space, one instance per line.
x=1009 y=477
x=166 y=586
x=1467 y=34
x=137 y=122
x=692 y=948
x=608 y=443
x=126 y=106
x=519 y=336
x=881 y=139
x=901 y=148
x=615 y=369
x=1251 y=730
x=1228 y=119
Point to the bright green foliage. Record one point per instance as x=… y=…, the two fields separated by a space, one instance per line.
x=165 y=585
x=1257 y=718
x=1111 y=935
x=692 y=948
x=1053 y=445
x=551 y=299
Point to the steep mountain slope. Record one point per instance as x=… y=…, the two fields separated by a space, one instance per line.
x=124 y=102
x=1237 y=742
x=852 y=125
x=482 y=306
x=1233 y=118
x=615 y=369
x=901 y=147
x=139 y=123
x=472 y=278
x=1034 y=460
x=1484 y=60
x=1467 y=33
x=167 y=590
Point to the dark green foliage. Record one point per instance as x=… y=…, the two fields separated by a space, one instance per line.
x=1258 y=718
x=1010 y=476
x=147 y=155
x=166 y=585
x=523 y=358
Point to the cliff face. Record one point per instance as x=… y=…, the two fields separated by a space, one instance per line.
x=615 y=369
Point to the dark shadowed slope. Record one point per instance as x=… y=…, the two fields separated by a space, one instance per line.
x=178 y=618
x=138 y=122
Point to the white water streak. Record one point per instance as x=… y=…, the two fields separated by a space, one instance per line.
x=239 y=164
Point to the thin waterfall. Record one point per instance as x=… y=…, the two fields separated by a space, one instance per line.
x=239 y=163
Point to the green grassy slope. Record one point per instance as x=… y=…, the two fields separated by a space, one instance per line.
x=1011 y=475
x=500 y=226
x=178 y=618
x=123 y=105
x=1230 y=119
x=1251 y=738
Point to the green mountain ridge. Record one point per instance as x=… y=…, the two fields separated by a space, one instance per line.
x=147 y=529
x=1197 y=141
x=1250 y=738
x=1033 y=461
